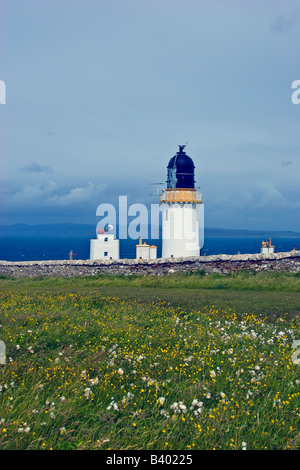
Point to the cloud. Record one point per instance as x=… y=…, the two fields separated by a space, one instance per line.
x=35 y=167
x=286 y=24
x=49 y=133
x=77 y=195
x=29 y=195
x=272 y=198
x=50 y=194
x=286 y=163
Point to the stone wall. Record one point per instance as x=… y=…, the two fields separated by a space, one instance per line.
x=288 y=262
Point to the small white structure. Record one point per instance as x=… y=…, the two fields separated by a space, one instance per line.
x=267 y=247
x=144 y=251
x=105 y=246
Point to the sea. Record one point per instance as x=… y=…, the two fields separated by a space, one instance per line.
x=26 y=248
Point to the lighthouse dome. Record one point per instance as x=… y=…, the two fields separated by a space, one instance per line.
x=181 y=170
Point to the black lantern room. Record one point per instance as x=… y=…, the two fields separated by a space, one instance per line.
x=181 y=171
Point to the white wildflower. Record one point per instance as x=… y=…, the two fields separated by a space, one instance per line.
x=127 y=397
x=113 y=405
x=94 y=381
x=164 y=413
x=87 y=393
x=25 y=428
x=178 y=407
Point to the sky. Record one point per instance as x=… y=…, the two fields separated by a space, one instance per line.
x=100 y=94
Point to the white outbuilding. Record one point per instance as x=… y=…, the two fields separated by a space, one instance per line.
x=144 y=251
x=267 y=247
x=105 y=246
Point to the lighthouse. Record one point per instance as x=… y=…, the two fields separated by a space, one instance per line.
x=182 y=209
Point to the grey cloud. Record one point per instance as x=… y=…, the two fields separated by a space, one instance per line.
x=286 y=24
x=35 y=167
x=272 y=198
x=51 y=194
x=49 y=133
x=78 y=195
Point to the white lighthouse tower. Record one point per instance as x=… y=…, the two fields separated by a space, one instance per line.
x=182 y=210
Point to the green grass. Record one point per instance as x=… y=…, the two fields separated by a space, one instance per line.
x=243 y=280
x=272 y=293
x=101 y=362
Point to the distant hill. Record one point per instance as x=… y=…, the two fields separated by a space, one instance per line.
x=67 y=230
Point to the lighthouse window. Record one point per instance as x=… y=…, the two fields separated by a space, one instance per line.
x=105 y=253
x=106 y=239
x=167 y=214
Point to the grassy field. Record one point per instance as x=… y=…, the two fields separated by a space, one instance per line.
x=176 y=362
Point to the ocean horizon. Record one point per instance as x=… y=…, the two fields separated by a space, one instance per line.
x=25 y=248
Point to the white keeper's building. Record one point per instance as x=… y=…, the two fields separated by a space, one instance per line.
x=105 y=246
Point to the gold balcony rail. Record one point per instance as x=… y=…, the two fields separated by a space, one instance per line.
x=180 y=195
